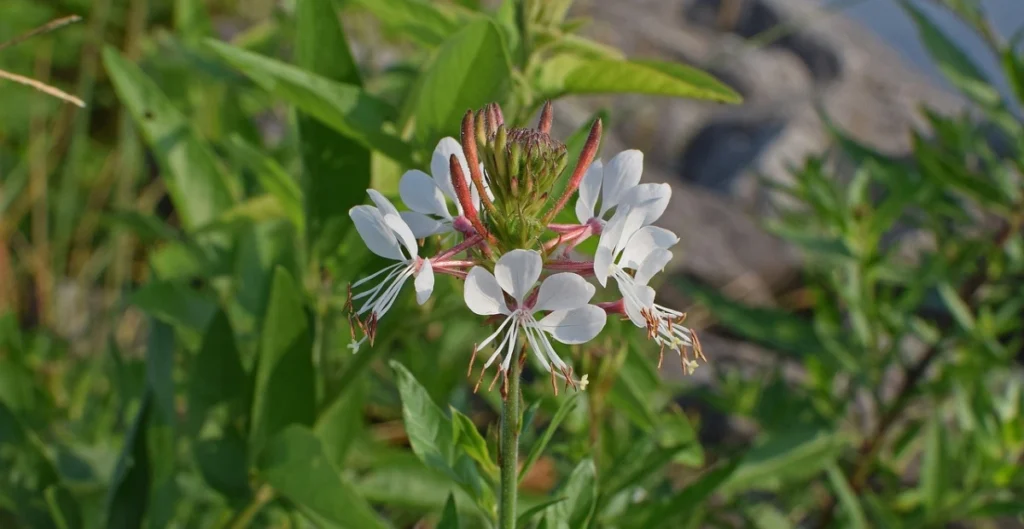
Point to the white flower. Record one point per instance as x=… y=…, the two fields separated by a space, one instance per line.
x=626 y=244
x=572 y=320
x=617 y=185
x=428 y=195
x=387 y=235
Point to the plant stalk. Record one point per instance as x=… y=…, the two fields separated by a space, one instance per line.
x=509 y=448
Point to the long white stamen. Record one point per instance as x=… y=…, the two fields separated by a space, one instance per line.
x=491 y=338
x=387 y=299
x=395 y=272
x=375 y=274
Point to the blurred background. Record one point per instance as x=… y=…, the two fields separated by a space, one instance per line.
x=816 y=274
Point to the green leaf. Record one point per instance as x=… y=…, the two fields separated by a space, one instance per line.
x=198 y=188
x=570 y=74
x=450 y=516
x=468 y=438
x=295 y=465
x=432 y=437
x=218 y=391
x=563 y=411
x=148 y=228
x=938 y=165
x=427 y=23
x=778 y=330
x=246 y=213
x=339 y=424
x=523 y=520
x=847 y=498
x=784 y=458
x=272 y=178
x=343 y=107
x=957 y=307
x=175 y=304
x=684 y=502
x=934 y=466
x=951 y=60
x=768 y=517
x=285 y=383
x=581 y=491
x=1013 y=65
x=470 y=70
x=336 y=168
x=129 y=488
x=260 y=250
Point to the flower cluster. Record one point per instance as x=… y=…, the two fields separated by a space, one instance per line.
x=519 y=267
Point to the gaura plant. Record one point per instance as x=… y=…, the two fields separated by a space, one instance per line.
x=501 y=241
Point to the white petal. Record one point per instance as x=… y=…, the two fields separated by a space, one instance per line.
x=404 y=233
x=483 y=294
x=441 y=170
x=636 y=297
x=603 y=261
x=424 y=282
x=422 y=225
x=623 y=224
x=643 y=242
x=420 y=193
x=563 y=291
x=517 y=271
x=379 y=238
x=589 y=190
x=652 y=198
x=383 y=204
x=621 y=173
x=574 y=326
x=654 y=263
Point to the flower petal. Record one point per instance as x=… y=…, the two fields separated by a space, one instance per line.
x=603 y=262
x=483 y=294
x=563 y=291
x=652 y=198
x=441 y=170
x=589 y=190
x=574 y=326
x=424 y=282
x=422 y=225
x=383 y=204
x=654 y=263
x=636 y=297
x=420 y=193
x=376 y=234
x=621 y=173
x=517 y=271
x=404 y=233
x=643 y=242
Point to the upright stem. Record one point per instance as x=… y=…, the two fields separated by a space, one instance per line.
x=509 y=449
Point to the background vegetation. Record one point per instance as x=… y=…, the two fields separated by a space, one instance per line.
x=175 y=260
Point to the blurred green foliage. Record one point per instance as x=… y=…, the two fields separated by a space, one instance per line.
x=175 y=257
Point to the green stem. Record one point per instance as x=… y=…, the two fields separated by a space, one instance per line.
x=509 y=449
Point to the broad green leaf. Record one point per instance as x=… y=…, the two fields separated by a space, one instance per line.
x=523 y=520
x=427 y=23
x=767 y=517
x=468 y=438
x=783 y=458
x=405 y=482
x=339 y=424
x=198 y=188
x=343 y=107
x=246 y=213
x=580 y=491
x=147 y=227
x=935 y=478
x=218 y=391
x=260 y=250
x=450 y=516
x=272 y=178
x=569 y=74
x=956 y=65
x=294 y=464
x=538 y=447
x=336 y=168
x=847 y=498
x=470 y=70
x=285 y=383
x=432 y=437
x=128 y=494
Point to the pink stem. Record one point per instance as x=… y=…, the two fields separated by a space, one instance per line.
x=466 y=244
